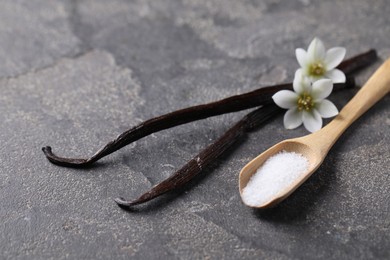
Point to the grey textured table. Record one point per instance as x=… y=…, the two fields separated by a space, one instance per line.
x=74 y=74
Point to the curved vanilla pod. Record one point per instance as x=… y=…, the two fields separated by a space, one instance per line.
x=208 y=155
x=179 y=117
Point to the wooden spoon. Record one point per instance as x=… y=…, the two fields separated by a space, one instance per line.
x=316 y=146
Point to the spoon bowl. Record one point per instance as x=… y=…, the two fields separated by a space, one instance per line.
x=297 y=145
x=314 y=147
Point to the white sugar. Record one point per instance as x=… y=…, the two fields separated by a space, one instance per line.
x=277 y=173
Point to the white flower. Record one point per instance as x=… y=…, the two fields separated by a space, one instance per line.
x=307 y=104
x=317 y=63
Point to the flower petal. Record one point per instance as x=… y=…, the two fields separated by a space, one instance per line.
x=285 y=99
x=301 y=57
x=334 y=56
x=327 y=109
x=297 y=83
x=312 y=120
x=336 y=75
x=321 y=89
x=316 y=50
x=301 y=83
x=292 y=119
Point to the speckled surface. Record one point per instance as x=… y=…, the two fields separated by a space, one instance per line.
x=74 y=74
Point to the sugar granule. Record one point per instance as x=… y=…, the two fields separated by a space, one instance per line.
x=278 y=172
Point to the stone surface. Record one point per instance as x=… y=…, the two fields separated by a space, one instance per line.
x=34 y=34
x=74 y=74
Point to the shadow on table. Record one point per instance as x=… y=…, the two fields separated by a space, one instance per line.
x=299 y=204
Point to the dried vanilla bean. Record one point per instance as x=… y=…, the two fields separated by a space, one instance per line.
x=179 y=117
x=214 y=151
x=208 y=155
x=232 y=104
x=358 y=62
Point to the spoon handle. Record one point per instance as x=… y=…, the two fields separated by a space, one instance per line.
x=376 y=88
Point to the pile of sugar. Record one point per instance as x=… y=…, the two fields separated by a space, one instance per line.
x=277 y=173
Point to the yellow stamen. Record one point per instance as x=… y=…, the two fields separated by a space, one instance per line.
x=317 y=69
x=305 y=102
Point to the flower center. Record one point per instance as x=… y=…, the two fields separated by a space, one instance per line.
x=305 y=102
x=317 y=69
